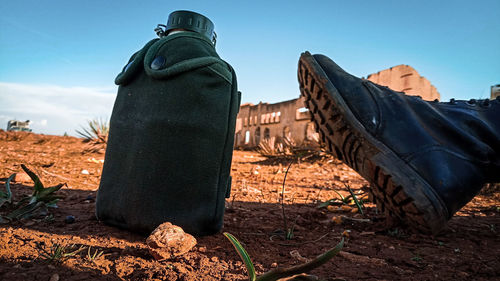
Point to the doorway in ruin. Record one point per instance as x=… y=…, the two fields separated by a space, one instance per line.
x=257 y=136
x=311 y=134
x=237 y=139
x=287 y=134
x=247 y=137
x=267 y=133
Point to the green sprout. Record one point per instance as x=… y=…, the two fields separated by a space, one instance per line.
x=93 y=256
x=6 y=197
x=279 y=273
x=96 y=135
x=344 y=200
x=358 y=204
x=41 y=199
x=58 y=253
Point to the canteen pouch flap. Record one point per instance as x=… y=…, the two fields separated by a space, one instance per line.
x=170 y=144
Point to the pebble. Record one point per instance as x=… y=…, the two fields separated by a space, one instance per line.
x=85 y=172
x=21 y=177
x=69 y=219
x=168 y=241
x=54 y=277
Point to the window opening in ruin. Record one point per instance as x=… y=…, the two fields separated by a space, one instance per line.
x=238 y=124
x=302 y=114
x=247 y=137
x=278 y=114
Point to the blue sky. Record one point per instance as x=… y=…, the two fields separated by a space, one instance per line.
x=58 y=59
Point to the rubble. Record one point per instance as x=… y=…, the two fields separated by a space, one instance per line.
x=168 y=241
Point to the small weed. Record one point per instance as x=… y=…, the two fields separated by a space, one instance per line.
x=40 y=200
x=271 y=147
x=288 y=231
x=493 y=228
x=96 y=135
x=93 y=257
x=279 y=273
x=396 y=232
x=417 y=258
x=58 y=253
x=356 y=201
x=351 y=199
x=6 y=197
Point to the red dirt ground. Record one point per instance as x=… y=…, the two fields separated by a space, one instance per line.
x=468 y=249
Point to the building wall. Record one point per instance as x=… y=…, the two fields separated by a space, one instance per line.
x=284 y=119
x=495 y=91
x=404 y=78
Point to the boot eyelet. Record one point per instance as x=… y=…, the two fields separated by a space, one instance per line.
x=486 y=103
x=471 y=102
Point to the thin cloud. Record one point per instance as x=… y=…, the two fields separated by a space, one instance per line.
x=54 y=109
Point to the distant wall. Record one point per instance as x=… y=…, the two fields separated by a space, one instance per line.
x=495 y=91
x=404 y=78
x=284 y=119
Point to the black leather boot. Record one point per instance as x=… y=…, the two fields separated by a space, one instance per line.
x=424 y=160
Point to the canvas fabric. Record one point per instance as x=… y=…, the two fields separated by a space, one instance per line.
x=171 y=138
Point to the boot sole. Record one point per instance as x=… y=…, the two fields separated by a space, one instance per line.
x=397 y=189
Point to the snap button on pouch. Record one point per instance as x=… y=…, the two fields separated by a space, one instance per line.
x=158 y=63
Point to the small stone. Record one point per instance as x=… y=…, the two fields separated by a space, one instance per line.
x=21 y=177
x=54 y=277
x=85 y=172
x=337 y=220
x=29 y=223
x=274 y=265
x=346 y=208
x=214 y=259
x=331 y=208
x=69 y=219
x=202 y=249
x=168 y=241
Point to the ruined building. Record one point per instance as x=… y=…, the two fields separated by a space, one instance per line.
x=18 y=126
x=284 y=119
x=291 y=118
x=495 y=91
x=404 y=78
